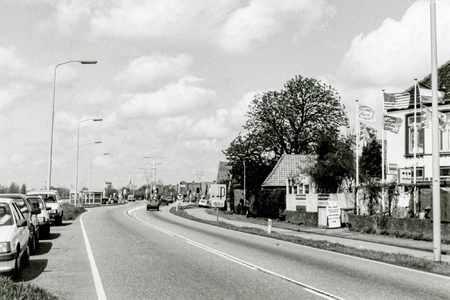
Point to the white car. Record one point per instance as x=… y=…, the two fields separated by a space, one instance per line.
x=14 y=236
x=43 y=217
x=203 y=202
x=52 y=200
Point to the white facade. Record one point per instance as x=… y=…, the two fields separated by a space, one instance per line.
x=400 y=151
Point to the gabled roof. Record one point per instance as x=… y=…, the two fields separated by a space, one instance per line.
x=288 y=166
x=443 y=84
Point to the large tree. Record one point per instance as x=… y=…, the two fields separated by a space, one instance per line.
x=291 y=121
x=335 y=164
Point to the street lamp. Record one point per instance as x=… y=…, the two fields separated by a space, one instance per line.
x=84 y=62
x=90 y=176
x=78 y=153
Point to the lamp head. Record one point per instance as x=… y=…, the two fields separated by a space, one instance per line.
x=88 y=62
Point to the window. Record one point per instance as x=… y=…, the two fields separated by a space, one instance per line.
x=444 y=135
x=410 y=136
x=444 y=172
x=419 y=171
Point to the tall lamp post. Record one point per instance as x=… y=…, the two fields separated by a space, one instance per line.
x=155 y=158
x=90 y=176
x=84 y=62
x=78 y=154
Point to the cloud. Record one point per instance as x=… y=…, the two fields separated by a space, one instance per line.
x=160 y=18
x=148 y=72
x=398 y=51
x=11 y=92
x=173 y=99
x=261 y=19
x=233 y=26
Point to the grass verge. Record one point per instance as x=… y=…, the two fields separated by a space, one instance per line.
x=10 y=290
x=398 y=259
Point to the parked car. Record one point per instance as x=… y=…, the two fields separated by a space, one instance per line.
x=52 y=200
x=14 y=236
x=30 y=214
x=203 y=202
x=152 y=203
x=43 y=217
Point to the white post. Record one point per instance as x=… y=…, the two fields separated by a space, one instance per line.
x=415 y=147
x=435 y=139
x=383 y=177
x=269 y=226
x=357 y=157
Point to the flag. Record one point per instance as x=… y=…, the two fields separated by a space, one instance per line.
x=426 y=94
x=366 y=113
x=392 y=124
x=367 y=133
x=427 y=115
x=396 y=100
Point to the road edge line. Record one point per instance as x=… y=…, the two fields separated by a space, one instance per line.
x=97 y=280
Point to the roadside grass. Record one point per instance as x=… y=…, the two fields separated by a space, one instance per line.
x=71 y=212
x=398 y=259
x=10 y=290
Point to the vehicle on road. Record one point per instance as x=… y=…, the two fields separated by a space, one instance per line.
x=131 y=198
x=14 y=236
x=203 y=202
x=52 y=200
x=43 y=217
x=169 y=199
x=25 y=206
x=152 y=203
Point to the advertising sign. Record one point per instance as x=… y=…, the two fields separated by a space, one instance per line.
x=334 y=216
x=312 y=202
x=405 y=176
x=217 y=195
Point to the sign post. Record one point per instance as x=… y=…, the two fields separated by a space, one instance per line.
x=217 y=196
x=334 y=216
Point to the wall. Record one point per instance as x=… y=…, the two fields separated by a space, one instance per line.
x=401 y=226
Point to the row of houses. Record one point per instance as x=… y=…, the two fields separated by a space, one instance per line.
x=290 y=172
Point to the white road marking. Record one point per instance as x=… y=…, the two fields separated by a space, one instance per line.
x=230 y=257
x=97 y=281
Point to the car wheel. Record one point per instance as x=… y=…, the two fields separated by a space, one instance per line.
x=17 y=266
x=157 y=208
x=47 y=230
x=26 y=257
x=37 y=240
x=32 y=244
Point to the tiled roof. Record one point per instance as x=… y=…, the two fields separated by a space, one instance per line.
x=443 y=84
x=288 y=166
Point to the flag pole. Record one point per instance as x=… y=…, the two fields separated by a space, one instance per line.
x=357 y=156
x=435 y=140
x=415 y=146
x=383 y=176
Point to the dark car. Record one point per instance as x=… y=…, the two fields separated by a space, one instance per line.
x=30 y=213
x=152 y=203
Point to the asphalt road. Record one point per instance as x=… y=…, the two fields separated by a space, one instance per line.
x=139 y=254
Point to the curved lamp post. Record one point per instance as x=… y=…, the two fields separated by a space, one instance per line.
x=78 y=154
x=90 y=176
x=84 y=62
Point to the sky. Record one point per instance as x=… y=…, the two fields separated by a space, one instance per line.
x=174 y=78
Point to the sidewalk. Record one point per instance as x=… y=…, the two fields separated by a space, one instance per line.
x=338 y=235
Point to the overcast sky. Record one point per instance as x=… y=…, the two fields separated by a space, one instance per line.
x=174 y=78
